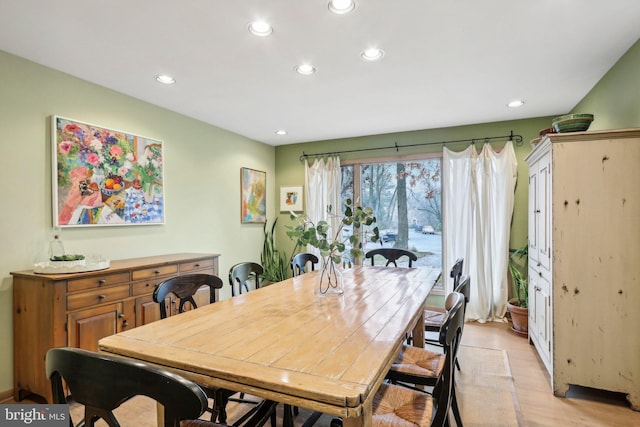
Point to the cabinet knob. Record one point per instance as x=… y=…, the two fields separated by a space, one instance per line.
x=125 y=324
x=540 y=273
x=197 y=265
x=537 y=210
x=156 y=272
x=101 y=296
x=101 y=282
x=120 y=315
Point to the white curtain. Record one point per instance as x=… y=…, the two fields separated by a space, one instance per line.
x=323 y=182
x=478 y=193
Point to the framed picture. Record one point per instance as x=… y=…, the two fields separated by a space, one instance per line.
x=291 y=199
x=253 y=196
x=104 y=177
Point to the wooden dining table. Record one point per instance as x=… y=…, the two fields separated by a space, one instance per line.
x=285 y=343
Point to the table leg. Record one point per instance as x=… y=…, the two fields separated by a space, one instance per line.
x=364 y=420
x=418 y=331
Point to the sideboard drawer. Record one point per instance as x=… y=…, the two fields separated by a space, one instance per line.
x=99 y=296
x=161 y=270
x=196 y=265
x=144 y=287
x=97 y=281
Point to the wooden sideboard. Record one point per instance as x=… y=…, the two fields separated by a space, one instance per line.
x=78 y=309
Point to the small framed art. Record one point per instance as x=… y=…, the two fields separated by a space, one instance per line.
x=291 y=199
x=253 y=196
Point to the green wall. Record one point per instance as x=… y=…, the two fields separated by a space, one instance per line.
x=615 y=100
x=202 y=180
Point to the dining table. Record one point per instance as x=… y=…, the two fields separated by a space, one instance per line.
x=286 y=343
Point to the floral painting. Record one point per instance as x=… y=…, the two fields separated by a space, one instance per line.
x=105 y=177
x=253 y=185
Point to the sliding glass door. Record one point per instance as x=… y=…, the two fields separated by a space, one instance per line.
x=406 y=197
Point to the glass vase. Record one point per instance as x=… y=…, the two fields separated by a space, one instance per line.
x=330 y=281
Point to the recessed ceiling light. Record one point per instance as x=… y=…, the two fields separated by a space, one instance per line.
x=305 y=69
x=163 y=78
x=372 y=54
x=340 y=7
x=260 y=28
x=515 y=103
x=281 y=132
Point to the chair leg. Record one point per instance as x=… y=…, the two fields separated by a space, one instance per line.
x=455 y=408
x=313 y=418
x=214 y=412
x=287 y=416
x=220 y=405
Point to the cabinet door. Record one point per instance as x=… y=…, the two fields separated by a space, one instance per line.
x=540 y=313
x=148 y=311
x=533 y=285
x=87 y=327
x=534 y=209
x=543 y=214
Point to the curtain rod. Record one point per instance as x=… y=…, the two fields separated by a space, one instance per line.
x=517 y=139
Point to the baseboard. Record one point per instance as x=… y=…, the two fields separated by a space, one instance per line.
x=6 y=396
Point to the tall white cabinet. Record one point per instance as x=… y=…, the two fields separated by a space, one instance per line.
x=540 y=252
x=584 y=259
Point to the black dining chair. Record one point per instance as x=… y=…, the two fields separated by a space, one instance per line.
x=391 y=255
x=300 y=261
x=395 y=405
x=241 y=274
x=185 y=288
x=423 y=367
x=102 y=382
x=434 y=316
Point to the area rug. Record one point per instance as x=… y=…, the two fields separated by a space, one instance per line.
x=485 y=389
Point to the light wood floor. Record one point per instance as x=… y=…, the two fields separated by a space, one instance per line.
x=538 y=405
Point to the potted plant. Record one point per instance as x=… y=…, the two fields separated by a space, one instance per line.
x=332 y=244
x=518 y=306
x=273 y=263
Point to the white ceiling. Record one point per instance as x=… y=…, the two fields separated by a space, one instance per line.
x=446 y=63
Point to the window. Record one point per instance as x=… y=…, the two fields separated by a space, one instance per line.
x=405 y=195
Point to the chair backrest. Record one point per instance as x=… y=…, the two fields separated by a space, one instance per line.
x=102 y=382
x=300 y=261
x=391 y=255
x=241 y=273
x=450 y=337
x=184 y=287
x=464 y=287
x=456 y=272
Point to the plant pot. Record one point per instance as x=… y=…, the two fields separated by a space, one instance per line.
x=519 y=318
